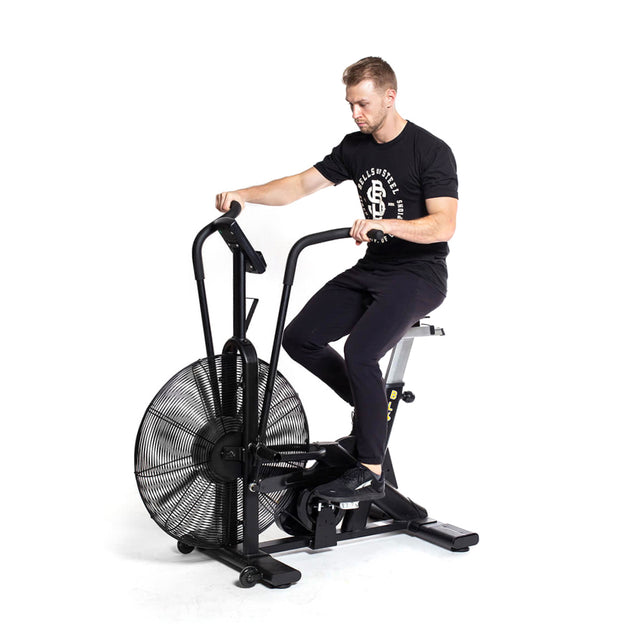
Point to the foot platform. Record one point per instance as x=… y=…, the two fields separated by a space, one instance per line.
x=444 y=535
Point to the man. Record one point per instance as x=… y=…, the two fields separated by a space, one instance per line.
x=407 y=183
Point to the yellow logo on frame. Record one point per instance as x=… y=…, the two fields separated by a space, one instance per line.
x=393 y=396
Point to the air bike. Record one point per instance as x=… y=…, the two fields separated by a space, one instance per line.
x=223 y=449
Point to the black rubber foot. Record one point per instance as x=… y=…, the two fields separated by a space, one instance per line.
x=444 y=535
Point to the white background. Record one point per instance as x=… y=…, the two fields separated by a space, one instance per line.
x=122 y=120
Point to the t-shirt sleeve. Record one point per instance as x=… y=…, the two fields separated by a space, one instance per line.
x=438 y=174
x=334 y=167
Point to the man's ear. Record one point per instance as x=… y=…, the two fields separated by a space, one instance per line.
x=390 y=98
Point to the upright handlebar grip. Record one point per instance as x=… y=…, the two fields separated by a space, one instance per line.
x=212 y=227
x=376 y=234
x=234 y=210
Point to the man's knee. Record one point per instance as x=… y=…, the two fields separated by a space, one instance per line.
x=292 y=340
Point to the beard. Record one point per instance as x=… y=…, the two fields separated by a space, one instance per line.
x=372 y=127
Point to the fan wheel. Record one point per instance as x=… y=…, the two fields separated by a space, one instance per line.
x=189 y=488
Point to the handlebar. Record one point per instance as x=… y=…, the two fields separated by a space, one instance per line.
x=289 y=273
x=233 y=236
x=196 y=250
x=307 y=241
x=317 y=238
x=234 y=210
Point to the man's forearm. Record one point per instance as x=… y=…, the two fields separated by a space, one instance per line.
x=427 y=230
x=275 y=193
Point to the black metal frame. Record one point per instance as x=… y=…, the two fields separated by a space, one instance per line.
x=394 y=513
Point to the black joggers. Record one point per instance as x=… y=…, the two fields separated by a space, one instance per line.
x=376 y=308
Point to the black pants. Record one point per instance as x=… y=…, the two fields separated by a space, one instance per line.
x=375 y=308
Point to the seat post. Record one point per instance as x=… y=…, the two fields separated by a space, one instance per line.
x=401 y=352
x=394 y=382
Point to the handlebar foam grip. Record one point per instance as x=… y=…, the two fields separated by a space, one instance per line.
x=375 y=234
x=234 y=210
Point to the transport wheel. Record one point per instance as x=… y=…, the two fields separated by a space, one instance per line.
x=249 y=577
x=185 y=548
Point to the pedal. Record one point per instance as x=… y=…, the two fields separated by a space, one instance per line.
x=324 y=533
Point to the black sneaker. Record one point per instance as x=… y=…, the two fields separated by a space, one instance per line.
x=358 y=483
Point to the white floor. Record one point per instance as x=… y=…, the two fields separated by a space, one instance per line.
x=539 y=571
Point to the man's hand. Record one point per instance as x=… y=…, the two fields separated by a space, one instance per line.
x=224 y=200
x=361 y=227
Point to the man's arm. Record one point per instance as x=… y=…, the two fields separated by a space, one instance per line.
x=438 y=226
x=277 y=192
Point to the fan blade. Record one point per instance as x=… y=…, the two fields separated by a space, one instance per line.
x=177 y=488
x=170 y=466
x=192 y=431
x=179 y=517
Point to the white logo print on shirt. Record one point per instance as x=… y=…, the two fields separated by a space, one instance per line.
x=378 y=190
x=376 y=193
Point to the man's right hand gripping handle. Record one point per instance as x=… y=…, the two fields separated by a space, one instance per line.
x=224 y=200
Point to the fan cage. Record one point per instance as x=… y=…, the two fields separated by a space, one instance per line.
x=178 y=433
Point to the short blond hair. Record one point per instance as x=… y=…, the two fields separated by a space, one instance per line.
x=371 y=68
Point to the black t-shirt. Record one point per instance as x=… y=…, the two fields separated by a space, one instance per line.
x=393 y=180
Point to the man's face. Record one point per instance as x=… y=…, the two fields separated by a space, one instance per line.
x=369 y=105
